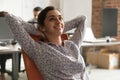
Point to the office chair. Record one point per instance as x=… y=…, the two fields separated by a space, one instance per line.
x=31 y=69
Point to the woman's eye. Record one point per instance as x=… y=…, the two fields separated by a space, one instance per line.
x=60 y=18
x=52 y=19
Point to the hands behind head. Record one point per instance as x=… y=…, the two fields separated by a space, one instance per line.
x=3 y=13
x=40 y=35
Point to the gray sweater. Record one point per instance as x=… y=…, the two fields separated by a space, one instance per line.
x=55 y=62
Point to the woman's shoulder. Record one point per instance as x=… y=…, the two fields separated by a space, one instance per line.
x=69 y=42
x=70 y=45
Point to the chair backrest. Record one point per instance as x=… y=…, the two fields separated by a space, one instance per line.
x=31 y=69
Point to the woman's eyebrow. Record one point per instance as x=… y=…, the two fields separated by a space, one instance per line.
x=51 y=16
x=54 y=16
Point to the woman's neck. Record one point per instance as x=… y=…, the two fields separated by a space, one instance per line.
x=55 y=40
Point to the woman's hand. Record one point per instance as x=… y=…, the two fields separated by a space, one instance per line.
x=41 y=34
x=3 y=13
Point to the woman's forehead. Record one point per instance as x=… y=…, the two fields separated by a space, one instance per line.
x=53 y=13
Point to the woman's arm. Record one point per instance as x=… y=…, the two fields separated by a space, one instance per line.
x=30 y=28
x=69 y=25
x=77 y=23
x=27 y=26
x=20 y=34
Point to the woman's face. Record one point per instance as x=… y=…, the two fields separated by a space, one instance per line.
x=53 y=24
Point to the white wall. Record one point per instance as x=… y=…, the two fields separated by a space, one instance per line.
x=28 y=5
x=11 y=6
x=74 y=8
x=55 y=3
x=70 y=9
x=22 y=8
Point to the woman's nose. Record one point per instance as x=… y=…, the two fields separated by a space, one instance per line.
x=58 y=20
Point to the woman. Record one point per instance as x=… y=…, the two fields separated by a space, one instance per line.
x=55 y=59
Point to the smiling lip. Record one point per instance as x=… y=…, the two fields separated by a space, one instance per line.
x=58 y=27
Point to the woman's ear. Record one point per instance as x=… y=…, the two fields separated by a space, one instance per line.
x=41 y=28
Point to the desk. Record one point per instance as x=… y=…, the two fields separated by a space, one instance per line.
x=87 y=44
x=95 y=44
x=14 y=50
